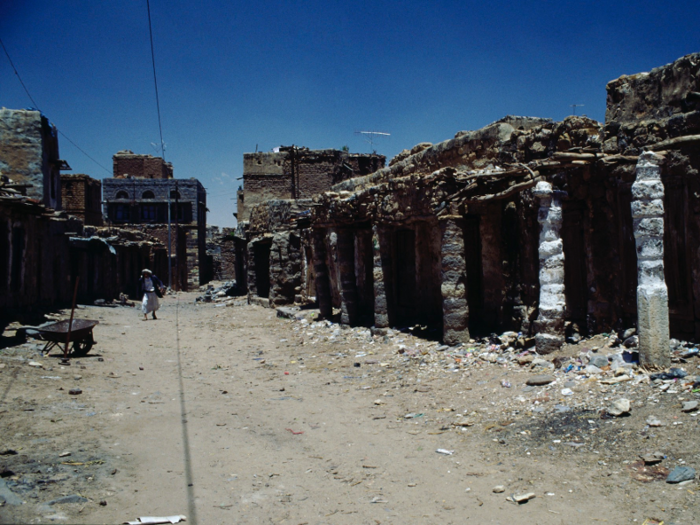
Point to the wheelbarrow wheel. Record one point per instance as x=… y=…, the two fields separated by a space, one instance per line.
x=81 y=348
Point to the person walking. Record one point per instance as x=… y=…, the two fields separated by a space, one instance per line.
x=151 y=289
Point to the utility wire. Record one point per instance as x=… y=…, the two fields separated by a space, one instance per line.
x=16 y=73
x=83 y=151
x=37 y=106
x=155 y=79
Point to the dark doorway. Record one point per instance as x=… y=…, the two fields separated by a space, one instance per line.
x=475 y=277
x=405 y=273
x=676 y=260
x=628 y=254
x=261 y=254
x=575 y=275
x=17 y=258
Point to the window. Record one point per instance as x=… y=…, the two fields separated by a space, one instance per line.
x=174 y=194
x=148 y=195
x=148 y=212
x=69 y=189
x=182 y=212
x=121 y=213
x=122 y=195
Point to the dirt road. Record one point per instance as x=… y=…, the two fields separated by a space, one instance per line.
x=233 y=415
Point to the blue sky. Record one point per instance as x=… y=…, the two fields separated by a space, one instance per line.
x=233 y=76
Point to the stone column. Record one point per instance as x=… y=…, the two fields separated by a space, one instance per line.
x=323 y=285
x=348 y=285
x=381 y=307
x=552 y=304
x=455 y=310
x=652 y=293
x=250 y=274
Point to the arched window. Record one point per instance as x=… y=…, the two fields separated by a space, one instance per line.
x=148 y=194
x=122 y=195
x=174 y=194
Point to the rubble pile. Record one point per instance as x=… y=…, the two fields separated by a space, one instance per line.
x=590 y=396
x=218 y=292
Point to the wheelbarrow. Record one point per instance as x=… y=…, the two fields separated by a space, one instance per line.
x=56 y=334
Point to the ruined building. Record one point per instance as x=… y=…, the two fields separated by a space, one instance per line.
x=540 y=227
x=141 y=195
x=29 y=155
x=290 y=177
x=297 y=173
x=81 y=196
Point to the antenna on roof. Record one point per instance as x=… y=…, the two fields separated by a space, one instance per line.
x=370 y=137
x=159 y=149
x=576 y=106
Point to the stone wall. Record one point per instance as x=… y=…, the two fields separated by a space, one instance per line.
x=29 y=155
x=653 y=108
x=81 y=197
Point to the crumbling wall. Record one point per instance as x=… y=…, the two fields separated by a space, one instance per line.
x=478 y=187
x=653 y=108
x=43 y=254
x=29 y=155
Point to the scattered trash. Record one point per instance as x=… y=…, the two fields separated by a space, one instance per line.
x=680 y=474
x=689 y=406
x=293 y=432
x=619 y=407
x=673 y=373
x=152 y=520
x=540 y=380
x=75 y=391
x=654 y=421
x=521 y=498
x=445 y=451
x=498 y=489
x=653 y=458
x=74 y=498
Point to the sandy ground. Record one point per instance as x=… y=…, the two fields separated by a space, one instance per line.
x=233 y=415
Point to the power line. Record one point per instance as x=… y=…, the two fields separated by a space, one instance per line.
x=37 y=106
x=155 y=79
x=16 y=73
x=83 y=151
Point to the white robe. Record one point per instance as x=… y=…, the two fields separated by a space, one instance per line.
x=150 y=299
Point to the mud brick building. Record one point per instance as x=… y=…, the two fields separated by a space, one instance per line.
x=44 y=252
x=139 y=197
x=29 y=155
x=540 y=227
x=298 y=173
x=81 y=196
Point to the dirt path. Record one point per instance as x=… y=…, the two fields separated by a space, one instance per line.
x=232 y=415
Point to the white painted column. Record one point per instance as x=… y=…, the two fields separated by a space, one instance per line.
x=652 y=293
x=552 y=304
